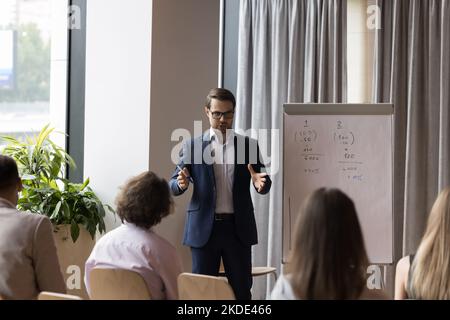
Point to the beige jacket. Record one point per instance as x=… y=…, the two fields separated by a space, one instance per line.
x=28 y=259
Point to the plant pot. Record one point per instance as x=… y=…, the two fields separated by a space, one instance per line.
x=72 y=257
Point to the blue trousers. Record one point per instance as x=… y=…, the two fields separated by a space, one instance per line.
x=236 y=257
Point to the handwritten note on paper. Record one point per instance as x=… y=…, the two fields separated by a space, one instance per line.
x=345 y=151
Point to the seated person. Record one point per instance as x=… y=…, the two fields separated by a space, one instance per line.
x=28 y=259
x=426 y=275
x=328 y=259
x=135 y=246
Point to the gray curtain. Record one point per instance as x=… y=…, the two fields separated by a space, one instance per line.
x=412 y=70
x=289 y=51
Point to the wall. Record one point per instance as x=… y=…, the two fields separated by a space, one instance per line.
x=58 y=69
x=117 y=109
x=149 y=67
x=185 y=53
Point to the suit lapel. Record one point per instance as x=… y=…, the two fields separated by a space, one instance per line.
x=237 y=166
x=206 y=141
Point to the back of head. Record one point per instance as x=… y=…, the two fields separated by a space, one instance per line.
x=328 y=259
x=9 y=175
x=144 y=200
x=431 y=267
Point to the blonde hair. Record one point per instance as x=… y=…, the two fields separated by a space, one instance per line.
x=431 y=266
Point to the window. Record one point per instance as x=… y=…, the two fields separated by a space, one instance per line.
x=360 y=48
x=33 y=66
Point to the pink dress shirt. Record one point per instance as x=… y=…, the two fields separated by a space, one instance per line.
x=143 y=251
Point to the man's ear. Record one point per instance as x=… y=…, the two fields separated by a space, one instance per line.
x=206 y=111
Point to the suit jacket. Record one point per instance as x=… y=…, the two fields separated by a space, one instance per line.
x=200 y=212
x=28 y=259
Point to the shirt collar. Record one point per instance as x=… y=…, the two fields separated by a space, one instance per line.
x=135 y=227
x=213 y=135
x=6 y=204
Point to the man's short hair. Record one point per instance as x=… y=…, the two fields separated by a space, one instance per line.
x=144 y=200
x=9 y=174
x=221 y=95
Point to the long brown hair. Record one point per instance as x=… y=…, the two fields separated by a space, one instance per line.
x=431 y=266
x=328 y=259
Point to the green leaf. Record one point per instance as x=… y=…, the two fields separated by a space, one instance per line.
x=100 y=209
x=110 y=208
x=66 y=211
x=11 y=140
x=43 y=135
x=101 y=226
x=90 y=227
x=84 y=185
x=74 y=231
x=43 y=205
x=56 y=211
x=42 y=164
x=70 y=161
x=56 y=166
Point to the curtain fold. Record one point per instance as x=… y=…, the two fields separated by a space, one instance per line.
x=289 y=51
x=412 y=71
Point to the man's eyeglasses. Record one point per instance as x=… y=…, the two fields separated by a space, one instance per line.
x=227 y=115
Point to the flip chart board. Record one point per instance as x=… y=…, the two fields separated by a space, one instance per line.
x=345 y=146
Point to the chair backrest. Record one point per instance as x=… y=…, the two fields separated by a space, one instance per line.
x=193 y=286
x=46 y=295
x=117 y=284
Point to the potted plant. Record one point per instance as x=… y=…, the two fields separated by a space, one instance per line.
x=74 y=209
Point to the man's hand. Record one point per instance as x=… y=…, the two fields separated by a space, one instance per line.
x=183 y=178
x=258 y=179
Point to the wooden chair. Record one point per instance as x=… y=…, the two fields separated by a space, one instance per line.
x=256 y=271
x=46 y=295
x=193 y=286
x=261 y=271
x=117 y=284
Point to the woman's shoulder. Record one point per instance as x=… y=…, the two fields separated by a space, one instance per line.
x=283 y=289
x=403 y=263
x=402 y=269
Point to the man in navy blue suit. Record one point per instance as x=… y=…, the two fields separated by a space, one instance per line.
x=220 y=221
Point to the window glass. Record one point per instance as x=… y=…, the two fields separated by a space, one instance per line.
x=33 y=66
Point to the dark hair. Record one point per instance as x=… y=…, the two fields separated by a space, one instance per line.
x=221 y=95
x=9 y=175
x=144 y=200
x=329 y=259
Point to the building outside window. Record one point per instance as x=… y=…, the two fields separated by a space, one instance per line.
x=33 y=66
